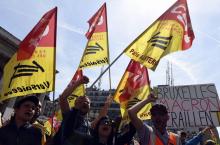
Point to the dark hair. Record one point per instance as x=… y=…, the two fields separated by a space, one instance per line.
x=33 y=99
x=183 y=133
x=96 y=130
x=158 y=109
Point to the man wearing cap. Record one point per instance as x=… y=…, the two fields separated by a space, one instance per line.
x=157 y=134
x=19 y=131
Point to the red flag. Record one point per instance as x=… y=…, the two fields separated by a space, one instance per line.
x=135 y=78
x=79 y=91
x=133 y=87
x=31 y=41
x=98 y=22
x=179 y=12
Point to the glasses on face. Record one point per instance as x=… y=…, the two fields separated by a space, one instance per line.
x=105 y=122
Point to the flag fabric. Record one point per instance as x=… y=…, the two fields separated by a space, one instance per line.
x=49 y=130
x=32 y=68
x=171 y=32
x=79 y=91
x=133 y=88
x=96 y=51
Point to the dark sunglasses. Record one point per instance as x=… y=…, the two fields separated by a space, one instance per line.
x=107 y=122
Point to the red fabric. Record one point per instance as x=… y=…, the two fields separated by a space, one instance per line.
x=43 y=34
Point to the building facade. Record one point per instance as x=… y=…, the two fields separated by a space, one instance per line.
x=8 y=46
x=98 y=98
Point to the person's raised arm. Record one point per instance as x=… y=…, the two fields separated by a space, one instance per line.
x=103 y=112
x=64 y=105
x=132 y=112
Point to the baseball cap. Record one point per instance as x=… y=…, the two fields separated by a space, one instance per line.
x=33 y=99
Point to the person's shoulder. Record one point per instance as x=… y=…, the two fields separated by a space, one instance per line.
x=33 y=128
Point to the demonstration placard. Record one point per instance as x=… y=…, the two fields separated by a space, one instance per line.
x=190 y=106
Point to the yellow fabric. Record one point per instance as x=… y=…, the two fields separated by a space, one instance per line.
x=58 y=115
x=143 y=49
x=79 y=91
x=133 y=88
x=96 y=52
x=40 y=80
x=47 y=126
x=43 y=131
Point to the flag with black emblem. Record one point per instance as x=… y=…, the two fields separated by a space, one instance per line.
x=171 y=32
x=133 y=88
x=96 y=52
x=32 y=68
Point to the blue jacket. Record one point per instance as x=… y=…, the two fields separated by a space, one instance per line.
x=195 y=140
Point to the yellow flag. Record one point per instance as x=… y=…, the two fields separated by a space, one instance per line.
x=31 y=69
x=169 y=33
x=96 y=51
x=79 y=91
x=133 y=88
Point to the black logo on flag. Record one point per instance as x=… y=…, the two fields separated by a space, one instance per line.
x=133 y=102
x=25 y=70
x=93 y=49
x=160 y=41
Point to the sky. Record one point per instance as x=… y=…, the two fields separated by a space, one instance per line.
x=126 y=20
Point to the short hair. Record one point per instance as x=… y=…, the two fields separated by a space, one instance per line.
x=33 y=99
x=183 y=133
x=158 y=109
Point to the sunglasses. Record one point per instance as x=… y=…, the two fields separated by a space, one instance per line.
x=106 y=122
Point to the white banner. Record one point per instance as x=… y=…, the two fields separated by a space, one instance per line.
x=190 y=106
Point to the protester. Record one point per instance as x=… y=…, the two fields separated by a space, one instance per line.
x=19 y=130
x=37 y=112
x=120 y=138
x=157 y=134
x=195 y=140
x=36 y=123
x=103 y=132
x=75 y=126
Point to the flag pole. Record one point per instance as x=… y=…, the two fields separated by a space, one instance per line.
x=55 y=42
x=107 y=69
x=109 y=74
x=122 y=53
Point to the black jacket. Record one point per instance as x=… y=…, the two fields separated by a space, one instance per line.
x=74 y=129
x=25 y=135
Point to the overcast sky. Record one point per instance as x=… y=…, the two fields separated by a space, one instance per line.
x=126 y=20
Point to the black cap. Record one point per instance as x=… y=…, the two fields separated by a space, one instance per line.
x=33 y=99
x=158 y=109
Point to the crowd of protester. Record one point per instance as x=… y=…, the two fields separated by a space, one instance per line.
x=24 y=128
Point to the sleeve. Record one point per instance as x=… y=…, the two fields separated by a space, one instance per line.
x=67 y=125
x=144 y=134
x=195 y=140
x=38 y=136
